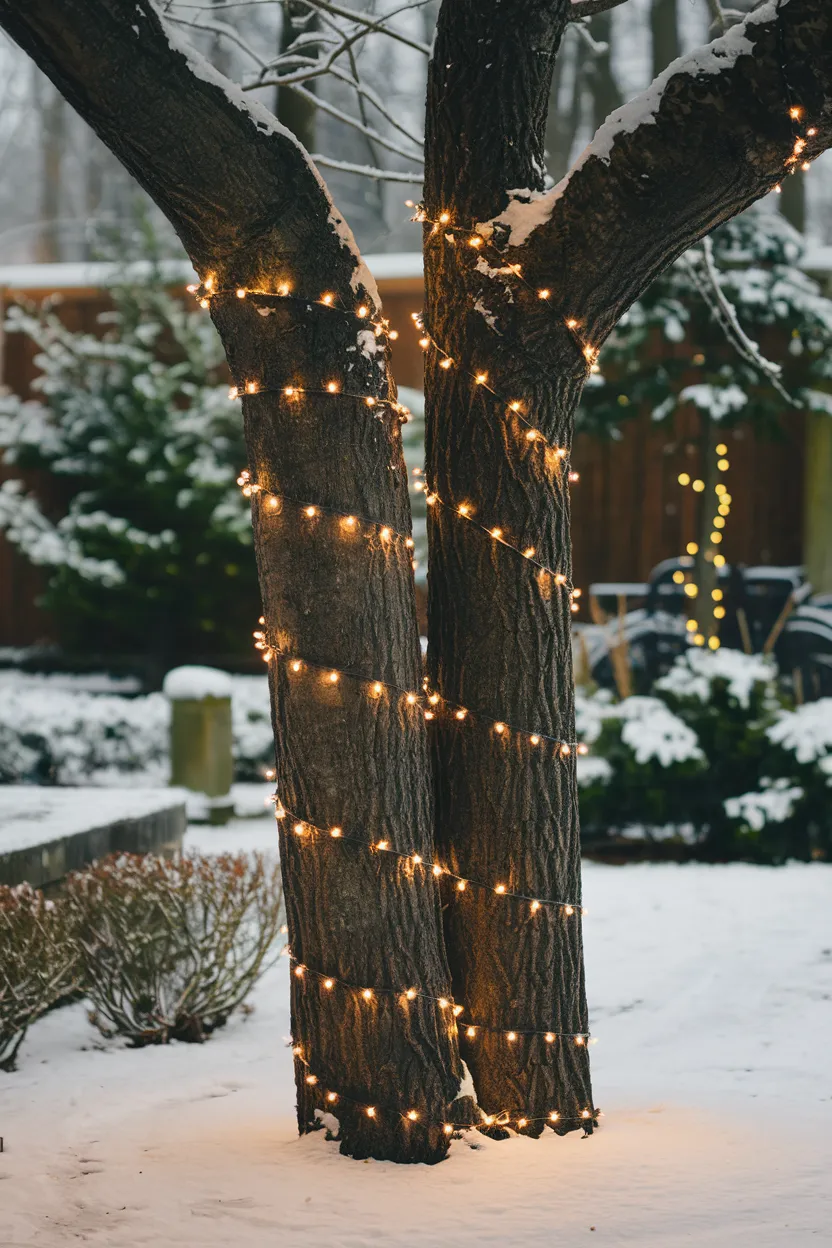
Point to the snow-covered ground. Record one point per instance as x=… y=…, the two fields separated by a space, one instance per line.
x=711 y=995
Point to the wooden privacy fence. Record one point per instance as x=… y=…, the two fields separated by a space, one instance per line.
x=628 y=510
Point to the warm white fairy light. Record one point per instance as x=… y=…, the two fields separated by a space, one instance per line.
x=305 y=830
x=350 y=524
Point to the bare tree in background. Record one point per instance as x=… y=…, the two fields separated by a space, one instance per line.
x=523 y=285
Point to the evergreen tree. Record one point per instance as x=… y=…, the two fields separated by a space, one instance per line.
x=135 y=425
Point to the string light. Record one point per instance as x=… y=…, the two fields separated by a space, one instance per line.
x=306 y=830
x=442 y=224
x=209 y=291
x=517 y=1119
x=513 y=408
x=313 y=511
x=498 y=534
x=331 y=388
x=446 y=1005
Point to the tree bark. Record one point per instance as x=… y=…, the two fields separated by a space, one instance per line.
x=336 y=595
x=499 y=627
x=704 y=142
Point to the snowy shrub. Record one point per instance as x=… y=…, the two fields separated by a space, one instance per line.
x=37 y=964
x=168 y=948
x=715 y=752
x=50 y=735
x=152 y=555
x=643 y=766
x=54 y=735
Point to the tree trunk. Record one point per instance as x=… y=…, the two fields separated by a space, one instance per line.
x=338 y=595
x=605 y=93
x=52 y=115
x=664 y=32
x=338 y=600
x=499 y=625
x=294 y=111
x=792 y=201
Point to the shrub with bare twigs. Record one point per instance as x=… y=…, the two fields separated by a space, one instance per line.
x=37 y=964
x=170 y=947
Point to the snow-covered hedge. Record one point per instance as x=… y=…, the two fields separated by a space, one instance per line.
x=713 y=757
x=50 y=734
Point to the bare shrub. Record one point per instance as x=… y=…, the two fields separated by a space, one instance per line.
x=37 y=964
x=170 y=947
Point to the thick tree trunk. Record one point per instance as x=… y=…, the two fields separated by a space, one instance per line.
x=337 y=585
x=338 y=601
x=499 y=623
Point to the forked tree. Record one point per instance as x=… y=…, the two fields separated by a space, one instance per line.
x=417 y=801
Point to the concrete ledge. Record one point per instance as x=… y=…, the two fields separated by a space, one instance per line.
x=47 y=832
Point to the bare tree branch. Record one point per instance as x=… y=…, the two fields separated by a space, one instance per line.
x=724 y=313
x=366 y=171
x=182 y=130
x=589 y=8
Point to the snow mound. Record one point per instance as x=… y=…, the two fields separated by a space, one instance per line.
x=193 y=683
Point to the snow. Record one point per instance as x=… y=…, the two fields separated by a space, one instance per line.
x=709 y=989
x=772 y=804
x=653 y=732
x=193 y=683
x=806 y=731
x=31 y=815
x=692 y=673
x=717 y=401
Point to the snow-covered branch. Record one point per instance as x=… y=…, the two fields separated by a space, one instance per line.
x=706 y=279
x=711 y=135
